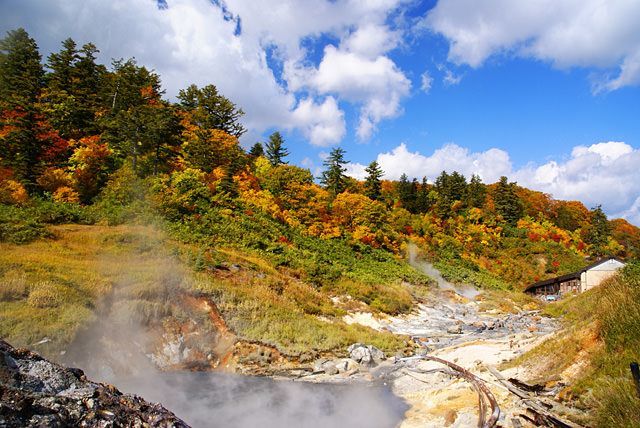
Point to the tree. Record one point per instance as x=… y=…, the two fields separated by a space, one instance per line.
x=24 y=134
x=334 y=178
x=257 y=150
x=275 y=150
x=373 y=183
x=476 y=194
x=21 y=74
x=451 y=188
x=133 y=94
x=507 y=203
x=600 y=230
x=210 y=110
x=408 y=193
x=72 y=96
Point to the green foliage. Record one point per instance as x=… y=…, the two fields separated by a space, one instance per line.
x=275 y=150
x=212 y=110
x=600 y=230
x=507 y=203
x=333 y=177
x=373 y=183
x=16 y=228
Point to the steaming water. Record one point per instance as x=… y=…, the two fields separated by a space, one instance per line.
x=114 y=355
x=226 y=400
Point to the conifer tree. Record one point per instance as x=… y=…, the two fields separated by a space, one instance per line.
x=373 y=183
x=334 y=178
x=257 y=150
x=507 y=203
x=476 y=194
x=21 y=82
x=275 y=149
x=211 y=110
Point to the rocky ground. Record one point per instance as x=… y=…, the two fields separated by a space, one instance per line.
x=448 y=326
x=453 y=328
x=37 y=393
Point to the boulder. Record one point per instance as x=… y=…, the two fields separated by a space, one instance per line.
x=366 y=355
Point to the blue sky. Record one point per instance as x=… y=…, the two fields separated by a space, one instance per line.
x=545 y=92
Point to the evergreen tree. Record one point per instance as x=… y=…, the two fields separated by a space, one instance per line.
x=507 y=203
x=600 y=230
x=451 y=188
x=211 y=110
x=257 y=150
x=73 y=90
x=334 y=178
x=476 y=194
x=373 y=183
x=407 y=193
x=275 y=149
x=426 y=197
x=24 y=133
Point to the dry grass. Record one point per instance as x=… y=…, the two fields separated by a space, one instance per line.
x=52 y=288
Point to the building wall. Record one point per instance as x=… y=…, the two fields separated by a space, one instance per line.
x=594 y=276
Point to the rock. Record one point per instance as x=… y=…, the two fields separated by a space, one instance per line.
x=533 y=329
x=450 y=417
x=454 y=329
x=38 y=393
x=367 y=355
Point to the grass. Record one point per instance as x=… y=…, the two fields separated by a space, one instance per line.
x=52 y=288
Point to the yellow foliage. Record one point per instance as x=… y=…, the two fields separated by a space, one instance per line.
x=54 y=178
x=13 y=193
x=66 y=194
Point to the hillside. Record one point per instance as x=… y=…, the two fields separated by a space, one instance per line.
x=121 y=208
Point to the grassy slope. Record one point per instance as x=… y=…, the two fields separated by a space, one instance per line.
x=52 y=288
x=601 y=337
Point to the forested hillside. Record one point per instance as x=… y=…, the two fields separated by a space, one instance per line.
x=82 y=142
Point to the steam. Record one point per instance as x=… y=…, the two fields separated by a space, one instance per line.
x=112 y=354
x=115 y=349
x=425 y=267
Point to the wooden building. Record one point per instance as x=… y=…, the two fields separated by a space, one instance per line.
x=578 y=282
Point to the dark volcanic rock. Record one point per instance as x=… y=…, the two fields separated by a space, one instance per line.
x=37 y=393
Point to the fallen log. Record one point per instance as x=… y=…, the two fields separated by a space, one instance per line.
x=541 y=415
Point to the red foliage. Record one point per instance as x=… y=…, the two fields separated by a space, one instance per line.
x=284 y=240
x=408 y=230
x=533 y=237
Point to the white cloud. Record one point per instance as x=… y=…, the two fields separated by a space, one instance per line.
x=427 y=80
x=603 y=173
x=322 y=124
x=584 y=33
x=376 y=84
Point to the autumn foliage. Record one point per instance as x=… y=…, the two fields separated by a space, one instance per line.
x=69 y=143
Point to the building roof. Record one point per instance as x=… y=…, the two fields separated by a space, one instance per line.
x=568 y=277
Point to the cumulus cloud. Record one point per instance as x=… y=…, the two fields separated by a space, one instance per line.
x=584 y=33
x=323 y=124
x=604 y=173
x=376 y=84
